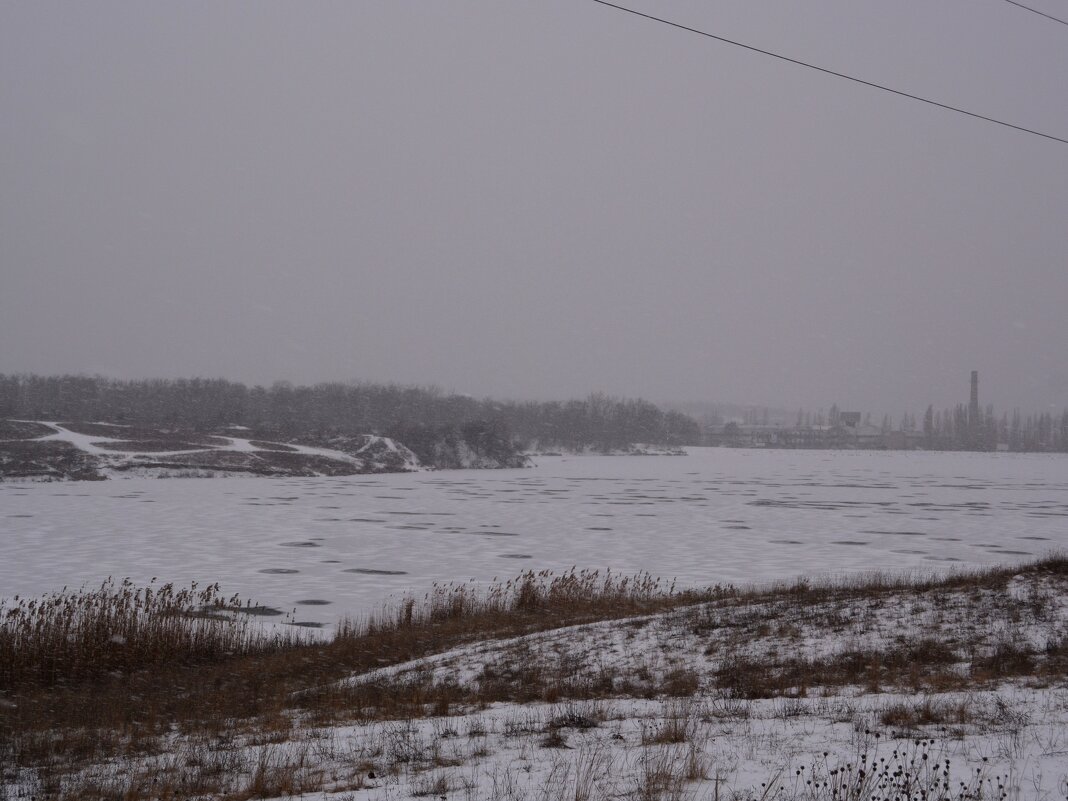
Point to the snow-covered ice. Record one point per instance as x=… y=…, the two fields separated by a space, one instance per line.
x=714 y=516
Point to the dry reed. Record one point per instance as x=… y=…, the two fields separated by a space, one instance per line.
x=71 y=637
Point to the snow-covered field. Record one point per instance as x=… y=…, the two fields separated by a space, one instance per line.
x=716 y=515
x=1011 y=746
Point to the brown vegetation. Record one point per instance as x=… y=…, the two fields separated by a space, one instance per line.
x=147 y=445
x=23 y=429
x=94 y=675
x=48 y=460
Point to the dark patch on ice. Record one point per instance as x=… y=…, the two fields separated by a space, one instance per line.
x=313 y=602
x=279 y=571
x=848 y=542
x=786 y=542
x=515 y=556
x=366 y=520
x=1034 y=538
x=409 y=528
x=598 y=528
x=909 y=551
x=1014 y=553
x=300 y=544
x=261 y=611
x=494 y=533
x=331 y=561
x=370 y=571
x=898 y=533
x=738 y=528
x=307 y=624
x=20 y=515
x=942 y=559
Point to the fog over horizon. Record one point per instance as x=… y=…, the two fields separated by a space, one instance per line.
x=540 y=200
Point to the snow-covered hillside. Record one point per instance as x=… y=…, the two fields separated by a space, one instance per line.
x=51 y=450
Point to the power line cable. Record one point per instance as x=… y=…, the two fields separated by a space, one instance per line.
x=1036 y=11
x=832 y=72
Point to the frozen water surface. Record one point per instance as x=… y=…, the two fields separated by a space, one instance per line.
x=716 y=515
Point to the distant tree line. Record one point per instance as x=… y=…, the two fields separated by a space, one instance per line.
x=952 y=429
x=599 y=422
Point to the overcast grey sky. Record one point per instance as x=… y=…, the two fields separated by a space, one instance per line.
x=539 y=199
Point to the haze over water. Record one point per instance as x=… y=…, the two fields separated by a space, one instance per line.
x=539 y=200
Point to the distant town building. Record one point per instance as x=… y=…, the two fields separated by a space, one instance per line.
x=969 y=427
